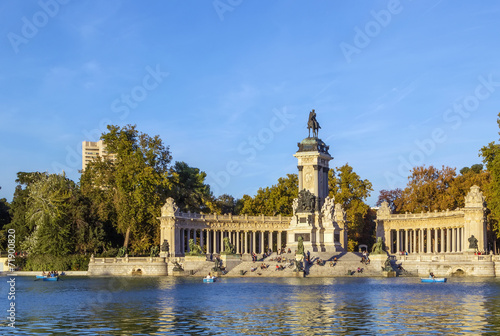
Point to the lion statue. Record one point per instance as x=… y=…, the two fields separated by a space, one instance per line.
x=194 y=249
x=228 y=247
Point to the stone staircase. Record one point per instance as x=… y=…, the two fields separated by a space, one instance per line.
x=345 y=262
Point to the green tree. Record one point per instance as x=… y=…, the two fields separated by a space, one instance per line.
x=274 y=200
x=226 y=204
x=4 y=212
x=18 y=206
x=491 y=158
x=132 y=186
x=48 y=217
x=187 y=187
x=351 y=192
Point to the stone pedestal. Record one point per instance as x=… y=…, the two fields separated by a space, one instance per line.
x=230 y=261
x=377 y=261
x=389 y=274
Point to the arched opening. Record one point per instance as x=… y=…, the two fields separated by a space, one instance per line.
x=458 y=272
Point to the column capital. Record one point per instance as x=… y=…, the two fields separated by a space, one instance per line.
x=300 y=168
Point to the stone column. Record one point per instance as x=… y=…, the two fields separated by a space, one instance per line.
x=442 y=240
x=324 y=190
x=398 y=242
x=461 y=239
x=254 y=245
x=316 y=179
x=448 y=240
x=454 y=240
x=238 y=249
x=279 y=239
x=407 y=245
x=414 y=242
x=201 y=239
x=387 y=236
x=428 y=241
x=244 y=243
x=301 y=176
x=214 y=241
x=261 y=242
x=271 y=240
x=435 y=240
x=221 y=241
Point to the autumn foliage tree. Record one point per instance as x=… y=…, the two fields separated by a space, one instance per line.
x=351 y=191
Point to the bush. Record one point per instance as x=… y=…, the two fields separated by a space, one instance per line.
x=74 y=262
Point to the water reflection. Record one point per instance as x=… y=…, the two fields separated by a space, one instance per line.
x=341 y=306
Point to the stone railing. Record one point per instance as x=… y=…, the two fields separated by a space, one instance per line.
x=127 y=260
x=447 y=257
x=426 y=215
x=232 y=218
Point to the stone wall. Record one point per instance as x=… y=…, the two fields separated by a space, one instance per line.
x=127 y=266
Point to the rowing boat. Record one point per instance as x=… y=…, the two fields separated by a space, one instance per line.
x=433 y=279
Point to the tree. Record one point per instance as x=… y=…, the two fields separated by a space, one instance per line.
x=426 y=190
x=133 y=186
x=226 y=204
x=187 y=187
x=48 y=216
x=390 y=196
x=18 y=206
x=491 y=158
x=274 y=200
x=351 y=192
x=4 y=212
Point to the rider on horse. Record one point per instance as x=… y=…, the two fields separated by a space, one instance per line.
x=313 y=123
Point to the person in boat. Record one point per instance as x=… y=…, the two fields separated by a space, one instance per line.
x=209 y=276
x=43 y=273
x=431 y=275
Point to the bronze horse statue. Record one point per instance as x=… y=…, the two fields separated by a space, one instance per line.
x=313 y=124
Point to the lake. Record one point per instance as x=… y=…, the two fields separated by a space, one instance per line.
x=253 y=306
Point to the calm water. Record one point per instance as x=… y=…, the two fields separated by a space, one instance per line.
x=173 y=306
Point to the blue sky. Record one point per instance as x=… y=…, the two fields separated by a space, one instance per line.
x=228 y=84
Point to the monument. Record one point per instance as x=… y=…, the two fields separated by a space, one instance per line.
x=316 y=218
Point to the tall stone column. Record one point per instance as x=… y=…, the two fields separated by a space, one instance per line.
x=442 y=240
x=448 y=240
x=428 y=241
x=238 y=249
x=279 y=239
x=202 y=243
x=388 y=240
x=254 y=245
x=414 y=241
x=245 y=242
x=271 y=242
x=301 y=185
x=454 y=240
x=316 y=180
x=435 y=240
x=398 y=242
x=261 y=242
x=407 y=244
x=214 y=241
